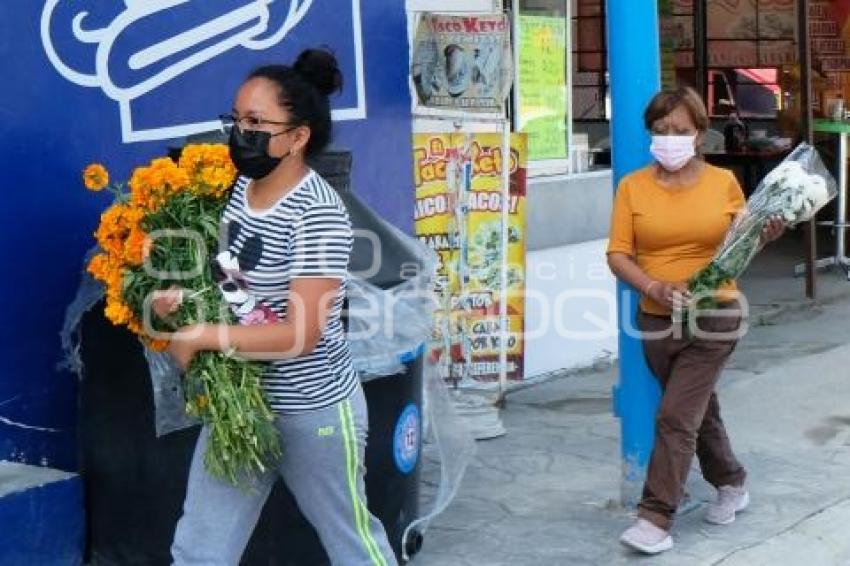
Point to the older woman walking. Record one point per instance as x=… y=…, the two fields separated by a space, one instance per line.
x=668 y=220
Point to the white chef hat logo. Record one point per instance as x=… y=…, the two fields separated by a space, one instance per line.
x=245 y=26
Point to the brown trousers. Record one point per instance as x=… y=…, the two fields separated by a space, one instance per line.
x=688 y=419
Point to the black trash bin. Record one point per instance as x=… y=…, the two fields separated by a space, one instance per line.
x=135 y=481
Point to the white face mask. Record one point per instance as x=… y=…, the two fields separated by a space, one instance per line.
x=673 y=152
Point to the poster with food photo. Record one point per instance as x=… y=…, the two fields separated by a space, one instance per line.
x=468 y=241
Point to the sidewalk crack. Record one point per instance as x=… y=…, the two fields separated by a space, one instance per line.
x=786 y=530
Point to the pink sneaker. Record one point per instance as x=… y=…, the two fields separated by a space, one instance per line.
x=730 y=500
x=645 y=537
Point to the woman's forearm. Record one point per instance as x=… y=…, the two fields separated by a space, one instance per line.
x=626 y=269
x=282 y=340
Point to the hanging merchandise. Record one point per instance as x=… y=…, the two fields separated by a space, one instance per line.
x=462 y=62
x=458 y=179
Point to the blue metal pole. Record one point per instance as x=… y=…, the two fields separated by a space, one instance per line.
x=635 y=75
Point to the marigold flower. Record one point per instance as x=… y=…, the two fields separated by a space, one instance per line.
x=133 y=215
x=134 y=247
x=95 y=177
x=209 y=167
x=197 y=156
x=98 y=267
x=114 y=228
x=139 y=180
x=167 y=176
x=118 y=313
x=193 y=192
x=134 y=326
x=216 y=177
x=115 y=288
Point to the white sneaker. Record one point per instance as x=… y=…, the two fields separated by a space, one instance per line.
x=645 y=537
x=730 y=500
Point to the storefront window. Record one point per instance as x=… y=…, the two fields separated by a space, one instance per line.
x=749 y=42
x=754 y=93
x=541 y=93
x=562 y=98
x=677 y=33
x=591 y=103
x=590 y=60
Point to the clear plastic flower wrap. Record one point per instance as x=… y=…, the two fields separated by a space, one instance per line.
x=795 y=191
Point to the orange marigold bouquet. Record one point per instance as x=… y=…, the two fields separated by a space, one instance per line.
x=156 y=235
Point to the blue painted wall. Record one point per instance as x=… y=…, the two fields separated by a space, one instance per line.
x=43 y=525
x=59 y=114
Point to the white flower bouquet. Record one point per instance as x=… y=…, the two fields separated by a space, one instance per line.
x=795 y=191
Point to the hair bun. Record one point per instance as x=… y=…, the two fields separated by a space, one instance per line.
x=320 y=68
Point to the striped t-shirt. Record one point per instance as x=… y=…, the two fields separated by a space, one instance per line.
x=307 y=233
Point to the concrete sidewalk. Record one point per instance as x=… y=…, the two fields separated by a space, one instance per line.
x=546 y=494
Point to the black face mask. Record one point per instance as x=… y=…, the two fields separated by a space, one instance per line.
x=249 y=151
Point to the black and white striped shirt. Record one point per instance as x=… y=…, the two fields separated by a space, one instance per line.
x=307 y=233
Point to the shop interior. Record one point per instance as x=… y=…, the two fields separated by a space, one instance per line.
x=765 y=92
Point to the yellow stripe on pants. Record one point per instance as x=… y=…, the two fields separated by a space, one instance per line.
x=361 y=513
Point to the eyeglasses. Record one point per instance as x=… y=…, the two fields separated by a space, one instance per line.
x=249 y=123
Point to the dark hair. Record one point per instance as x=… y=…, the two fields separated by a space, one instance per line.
x=666 y=101
x=304 y=90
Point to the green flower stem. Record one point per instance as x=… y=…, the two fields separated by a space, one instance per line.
x=243 y=438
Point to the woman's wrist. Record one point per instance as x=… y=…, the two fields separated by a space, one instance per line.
x=648 y=287
x=210 y=337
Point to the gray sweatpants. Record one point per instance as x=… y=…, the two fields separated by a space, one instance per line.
x=322 y=466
